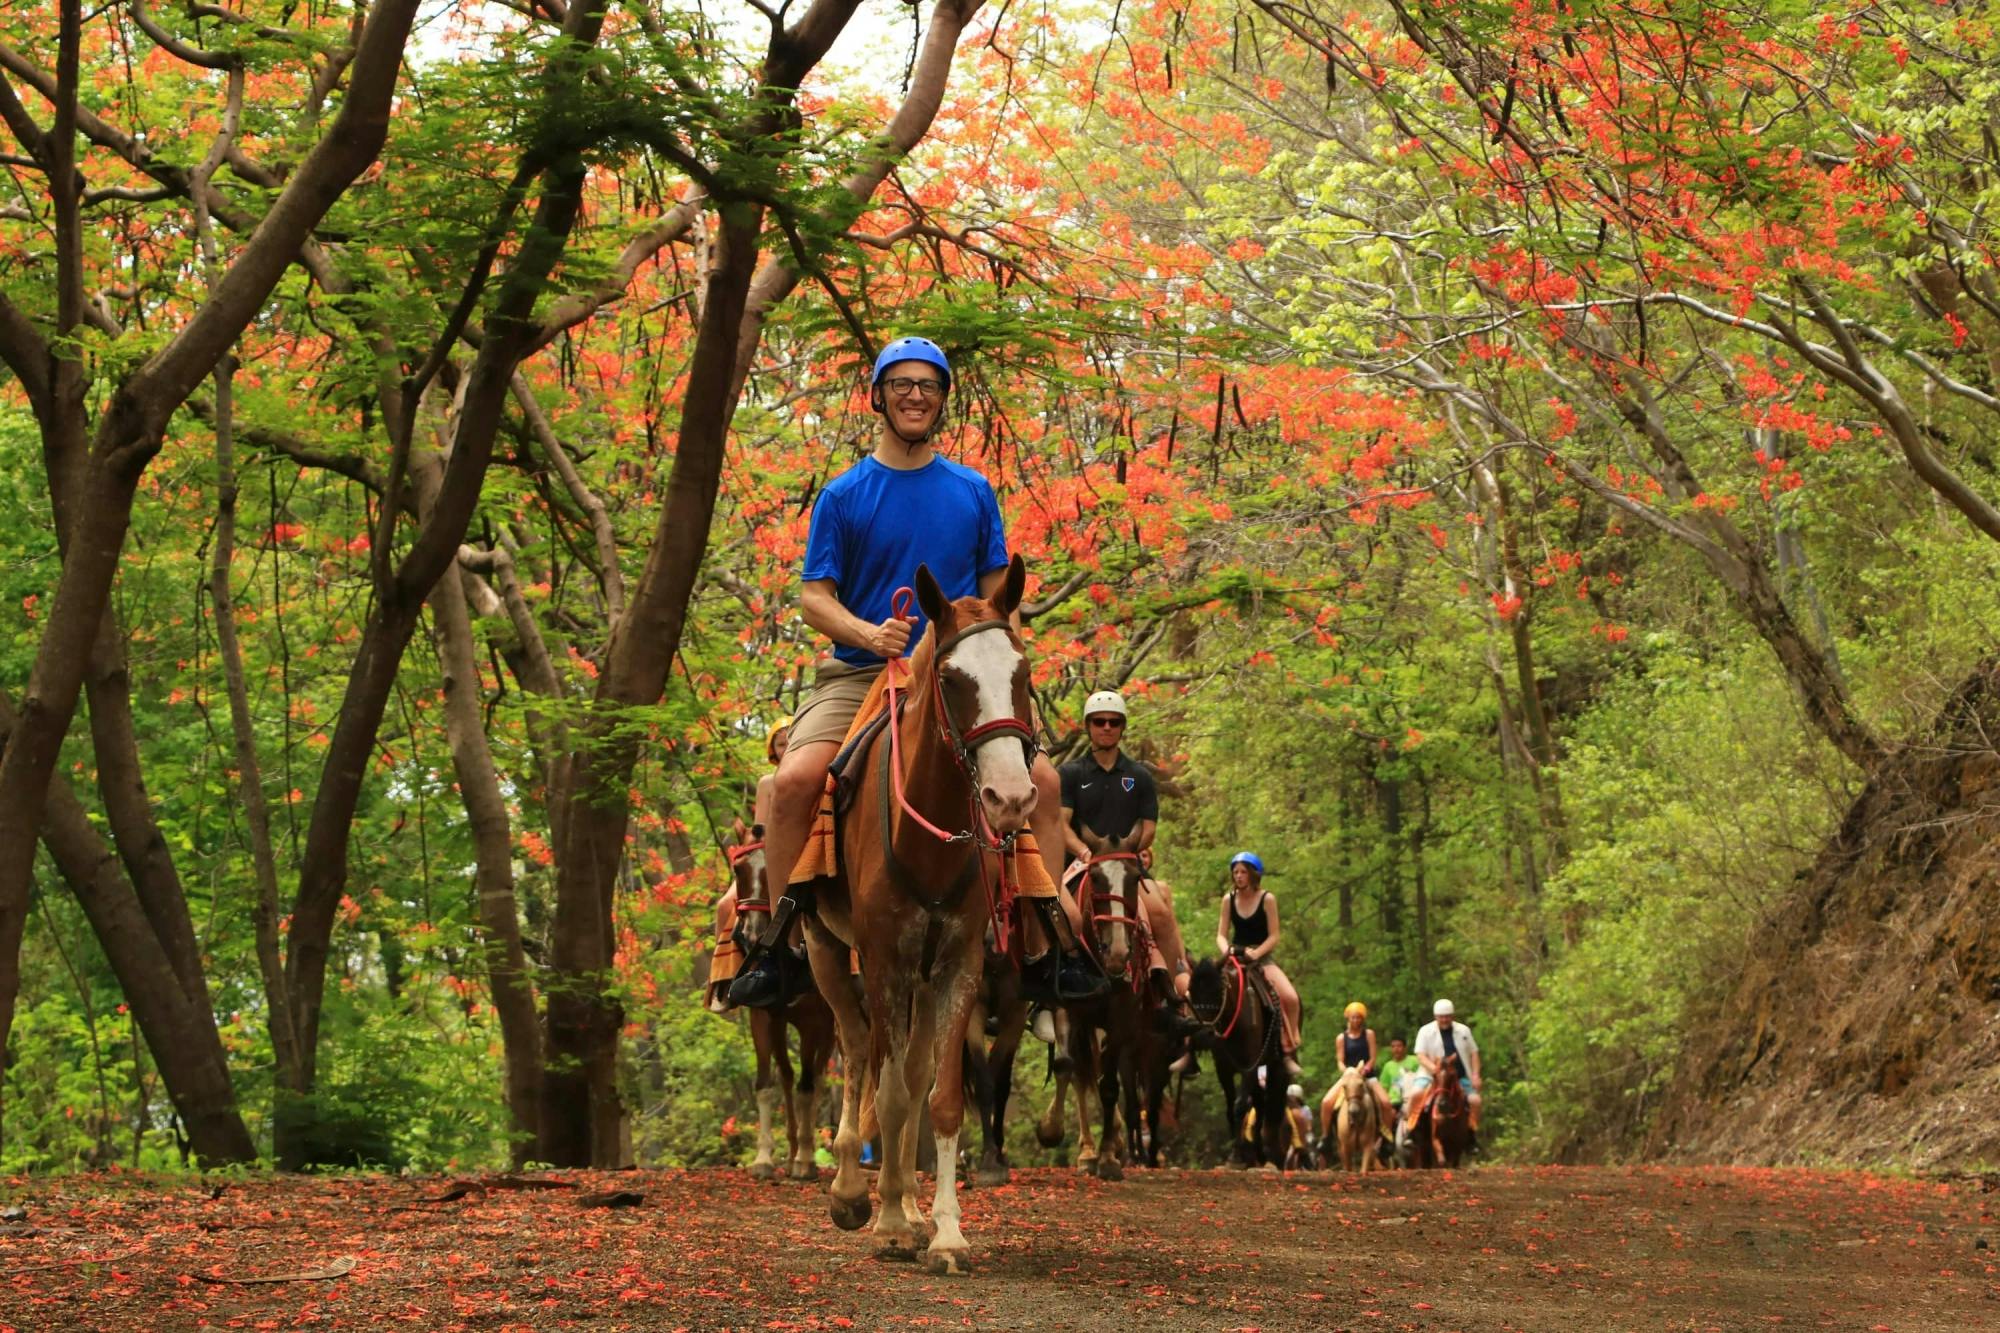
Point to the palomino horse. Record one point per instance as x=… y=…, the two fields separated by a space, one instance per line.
x=915 y=900
x=1444 y=1125
x=1356 y=1124
x=1112 y=1042
x=1242 y=1031
x=808 y=1015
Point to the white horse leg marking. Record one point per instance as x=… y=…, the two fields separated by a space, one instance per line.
x=767 y=1102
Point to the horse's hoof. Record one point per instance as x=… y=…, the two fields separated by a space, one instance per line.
x=993 y=1175
x=947 y=1263
x=763 y=1171
x=897 y=1252
x=1270 y=1168
x=851 y=1214
x=1108 y=1169
x=804 y=1172
x=1047 y=1139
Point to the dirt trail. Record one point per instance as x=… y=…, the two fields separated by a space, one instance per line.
x=1488 y=1249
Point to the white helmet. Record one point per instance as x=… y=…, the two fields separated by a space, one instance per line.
x=1441 y=1009
x=1104 y=701
x=1296 y=1093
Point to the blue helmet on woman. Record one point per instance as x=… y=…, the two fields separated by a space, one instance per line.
x=1251 y=859
x=911 y=349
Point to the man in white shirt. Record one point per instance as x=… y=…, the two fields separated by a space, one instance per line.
x=1441 y=1039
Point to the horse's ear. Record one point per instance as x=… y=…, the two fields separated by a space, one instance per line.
x=739 y=830
x=932 y=599
x=1009 y=596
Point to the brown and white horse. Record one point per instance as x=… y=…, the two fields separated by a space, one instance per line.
x=1112 y=1041
x=943 y=794
x=808 y=1015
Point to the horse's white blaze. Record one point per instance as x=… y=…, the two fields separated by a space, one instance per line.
x=1118 y=876
x=989 y=661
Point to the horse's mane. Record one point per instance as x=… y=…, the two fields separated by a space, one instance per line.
x=1205 y=984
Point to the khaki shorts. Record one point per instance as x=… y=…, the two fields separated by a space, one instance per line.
x=837 y=694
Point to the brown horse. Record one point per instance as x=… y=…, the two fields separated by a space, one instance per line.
x=1444 y=1125
x=989 y=1061
x=1112 y=1042
x=808 y=1015
x=1242 y=1029
x=1356 y=1127
x=915 y=900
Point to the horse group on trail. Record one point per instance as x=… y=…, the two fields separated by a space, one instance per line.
x=918 y=835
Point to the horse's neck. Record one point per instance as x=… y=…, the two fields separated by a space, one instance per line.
x=932 y=783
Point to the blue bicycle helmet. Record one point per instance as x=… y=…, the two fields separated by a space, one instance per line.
x=1251 y=859
x=911 y=349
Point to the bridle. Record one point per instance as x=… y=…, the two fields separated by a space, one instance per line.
x=1141 y=940
x=959 y=743
x=1242 y=984
x=737 y=855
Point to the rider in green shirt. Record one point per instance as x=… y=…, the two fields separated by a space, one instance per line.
x=1390 y=1072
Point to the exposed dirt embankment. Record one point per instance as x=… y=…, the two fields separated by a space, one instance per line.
x=1866 y=1026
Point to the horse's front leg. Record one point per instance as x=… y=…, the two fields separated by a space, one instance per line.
x=767 y=1031
x=1049 y=1129
x=1083 y=1078
x=889 y=1002
x=849 y=1191
x=952 y=1004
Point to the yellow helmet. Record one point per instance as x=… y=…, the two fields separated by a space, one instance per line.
x=1356 y=1010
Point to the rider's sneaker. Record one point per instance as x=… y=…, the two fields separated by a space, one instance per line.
x=765 y=982
x=1181 y=1022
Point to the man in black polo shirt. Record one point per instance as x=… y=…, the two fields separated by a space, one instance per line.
x=1111 y=794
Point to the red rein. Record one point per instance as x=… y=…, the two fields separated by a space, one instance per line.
x=1242 y=982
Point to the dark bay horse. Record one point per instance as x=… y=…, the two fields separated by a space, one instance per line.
x=1113 y=1044
x=1242 y=1031
x=1444 y=1126
x=989 y=1061
x=808 y=1015
x=923 y=873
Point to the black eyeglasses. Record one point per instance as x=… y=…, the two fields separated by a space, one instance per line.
x=902 y=386
x=1107 y=722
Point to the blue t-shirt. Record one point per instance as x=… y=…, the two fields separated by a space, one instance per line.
x=873 y=525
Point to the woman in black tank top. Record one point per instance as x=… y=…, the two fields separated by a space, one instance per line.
x=1358 y=1047
x=1249 y=926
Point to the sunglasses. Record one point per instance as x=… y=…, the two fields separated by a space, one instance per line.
x=1107 y=721
x=901 y=386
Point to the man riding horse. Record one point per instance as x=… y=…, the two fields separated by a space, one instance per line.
x=902 y=506
x=1109 y=795
x=1440 y=1040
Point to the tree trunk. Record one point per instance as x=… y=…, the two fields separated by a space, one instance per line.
x=249 y=772
x=132 y=422
x=508 y=978
x=508 y=334
x=579 y=1087
x=180 y=1034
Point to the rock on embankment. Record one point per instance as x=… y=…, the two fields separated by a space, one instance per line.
x=1866 y=1026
